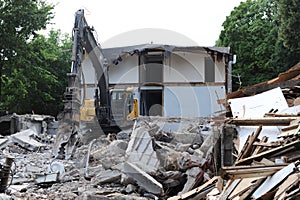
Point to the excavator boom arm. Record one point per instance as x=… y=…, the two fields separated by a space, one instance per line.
x=84 y=42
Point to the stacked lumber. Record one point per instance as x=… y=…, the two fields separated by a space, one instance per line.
x=263 y=170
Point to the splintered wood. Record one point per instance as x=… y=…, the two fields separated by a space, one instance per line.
x=265 y=170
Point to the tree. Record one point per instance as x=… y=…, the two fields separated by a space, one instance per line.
x=251 y=31
x=38 y=83
x=289 y=15
x=289 y=33
x=19 y=21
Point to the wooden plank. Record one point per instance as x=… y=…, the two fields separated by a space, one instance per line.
x=219 y=184
x=283 y=151
x=256 y=184
x=259 y=149
x=272 y=181
x=266 y=153
x=195 y=191
x=243 y=186
x=272 y=121
x=247 y=148
x=268 y=144
x=227 y=192
x=238 y=172
x=287 y=184
x=229 y=182
x=292 y=127
x=262 y=87
x=263 y=161
x=280 y=115
x=288 y=131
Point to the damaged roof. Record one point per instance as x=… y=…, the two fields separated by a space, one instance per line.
x=287 y=79
x=113 y=54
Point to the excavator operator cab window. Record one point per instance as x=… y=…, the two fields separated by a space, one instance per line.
x=130 y=101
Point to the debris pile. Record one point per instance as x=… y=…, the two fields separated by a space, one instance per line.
x=264 y=170
x=252 y=155
x=159 y=158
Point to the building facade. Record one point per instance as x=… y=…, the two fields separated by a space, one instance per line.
x=168 y=80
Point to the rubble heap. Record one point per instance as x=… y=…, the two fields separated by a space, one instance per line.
x=263 y=170
x=159 y=158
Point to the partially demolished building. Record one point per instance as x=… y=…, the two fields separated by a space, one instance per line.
x=185 y=149
x=168 y=79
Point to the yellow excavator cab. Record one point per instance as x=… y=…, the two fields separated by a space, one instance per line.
x=87 y=111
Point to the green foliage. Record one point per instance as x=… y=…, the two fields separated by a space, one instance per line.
x=251 y=31
x=38 y=83
x=19 y=21
x=289 y=33
x=289 y=15
x=32 y=67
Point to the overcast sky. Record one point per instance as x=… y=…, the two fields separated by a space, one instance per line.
x=119 y=22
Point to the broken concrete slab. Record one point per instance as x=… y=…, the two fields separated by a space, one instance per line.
x=143 y=179
x=187 y=138
x=111 y=155
x=33 y=169
x=3 y=142
x=130 y=188
x=140 y=151
x=18 y=188
x=192 y=179
x=46 y=178
x=25 y=140
x=57 y=167
x=107 y=176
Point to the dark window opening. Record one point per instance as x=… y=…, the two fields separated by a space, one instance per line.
x=151 y=102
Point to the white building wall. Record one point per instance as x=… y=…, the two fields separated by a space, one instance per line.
x=193 y=101
x=184 y=67
x=220 y=73
x=125 y=72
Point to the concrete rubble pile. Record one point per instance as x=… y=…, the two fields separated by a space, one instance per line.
x=159 y=158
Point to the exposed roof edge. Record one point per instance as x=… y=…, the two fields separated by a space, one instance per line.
x=116 y=52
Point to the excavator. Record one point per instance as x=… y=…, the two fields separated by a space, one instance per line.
x=112 y=108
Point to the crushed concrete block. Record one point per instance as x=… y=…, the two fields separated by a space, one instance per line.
x=25 y=140
x=143 y=179
x=107 y=176
x=187 y=138
x=182 y=147
x=118 y=146
x=3 y=142
x=130 y=188
x=167 y=156
x=192 y=179
x=111 y=155
x=198 y=153
x=125 y=179
x=110 y=162
x=18 y=188
x=124 y=134
x=140 y=151
x=33 y=169
x=56 y=167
